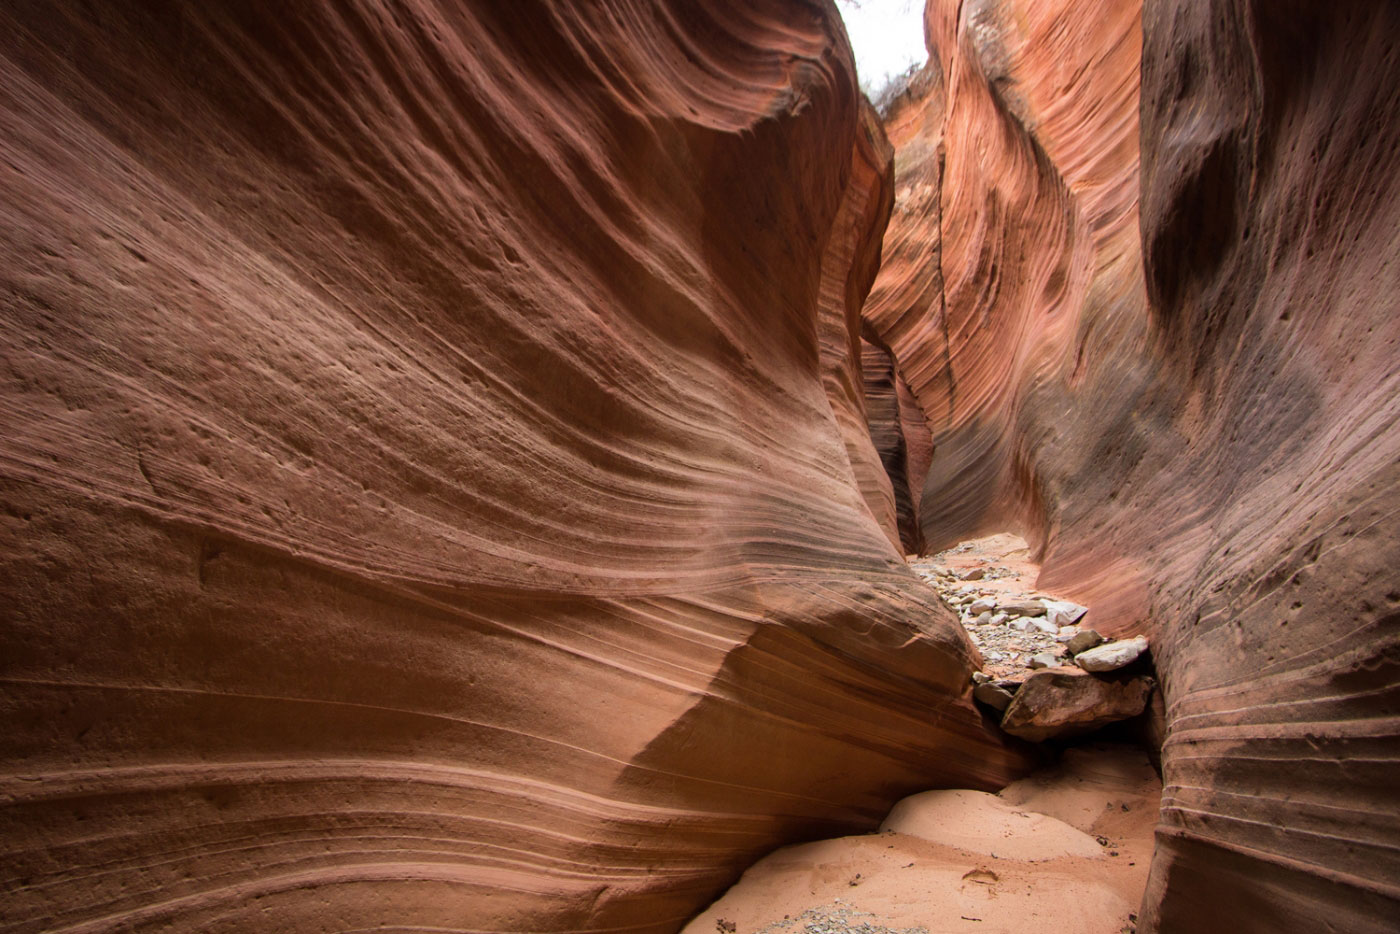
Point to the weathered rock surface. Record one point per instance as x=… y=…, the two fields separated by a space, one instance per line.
x=893 y=417
x=1173 y=367
x=433 y=487
x=1063 y=613
x=1062 y=703
x=1083 y=640
x=1112 y=656
x=993 y=695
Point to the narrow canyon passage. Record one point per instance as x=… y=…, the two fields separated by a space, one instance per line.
x=1065 y=848
x=459 y=457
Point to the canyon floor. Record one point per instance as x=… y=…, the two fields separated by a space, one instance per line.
x=1066 y=849
x=998 y=567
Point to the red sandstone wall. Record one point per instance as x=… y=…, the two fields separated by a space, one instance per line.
x=423 y=503
x=893 y=418
x=849 y=264
x=1192 y=412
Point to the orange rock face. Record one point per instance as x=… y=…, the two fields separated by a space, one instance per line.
x=1142 y=276
x=895 y=423
x=434 y=484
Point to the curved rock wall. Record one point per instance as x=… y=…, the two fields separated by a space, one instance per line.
x=423 y=501
x=1271 y=206
x=1193 y=413
x=849 y=264
x=894 y=419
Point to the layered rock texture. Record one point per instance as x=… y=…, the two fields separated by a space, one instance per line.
x=434 y=470
x=1143 y=278
x=450 y=482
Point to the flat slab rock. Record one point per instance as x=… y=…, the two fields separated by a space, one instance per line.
x=1056 y=703
x=1112 y=656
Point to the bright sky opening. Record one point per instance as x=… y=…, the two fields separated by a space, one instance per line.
x=887 y=36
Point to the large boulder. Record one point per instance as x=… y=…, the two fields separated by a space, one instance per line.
x=1062 y=703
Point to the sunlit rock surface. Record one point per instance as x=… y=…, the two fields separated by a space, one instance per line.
x=432 y=495
x=1203 y=443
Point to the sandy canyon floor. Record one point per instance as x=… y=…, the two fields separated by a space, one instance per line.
x=1066 y=849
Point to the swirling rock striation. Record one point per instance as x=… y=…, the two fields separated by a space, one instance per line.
x=1144 y=281
x=426 y=501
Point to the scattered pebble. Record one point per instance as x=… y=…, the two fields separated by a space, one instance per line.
x=834 y=919
x=1012 y=628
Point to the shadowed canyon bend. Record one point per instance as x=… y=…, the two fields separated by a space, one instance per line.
x=458 y=457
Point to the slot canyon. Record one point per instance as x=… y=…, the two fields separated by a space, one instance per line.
x=466 y=463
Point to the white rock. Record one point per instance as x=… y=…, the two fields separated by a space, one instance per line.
x=1044 y=660
x=997 y=619
x=1066 y=633
x=1043 y=625
x=983 y=605
x=982 y=619
x=1019 y=623
x=1112 y=656
x=1063 y=612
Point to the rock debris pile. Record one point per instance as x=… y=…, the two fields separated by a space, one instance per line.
x=827 y=919
x=1047 y=673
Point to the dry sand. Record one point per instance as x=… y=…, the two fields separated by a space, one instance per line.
x=1065 y=850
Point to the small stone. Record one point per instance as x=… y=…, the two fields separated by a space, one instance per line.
x=997 y=619
x=983 y=605
x=1044 y=660
x=1085 y=640
x=1112 y=656
x=1023 y=607
x=972 y=574
x=993 y=695
x=983 y=619
x=1019 y=623
x=1063 y=612
x=980 y=677
x=1042 y=624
